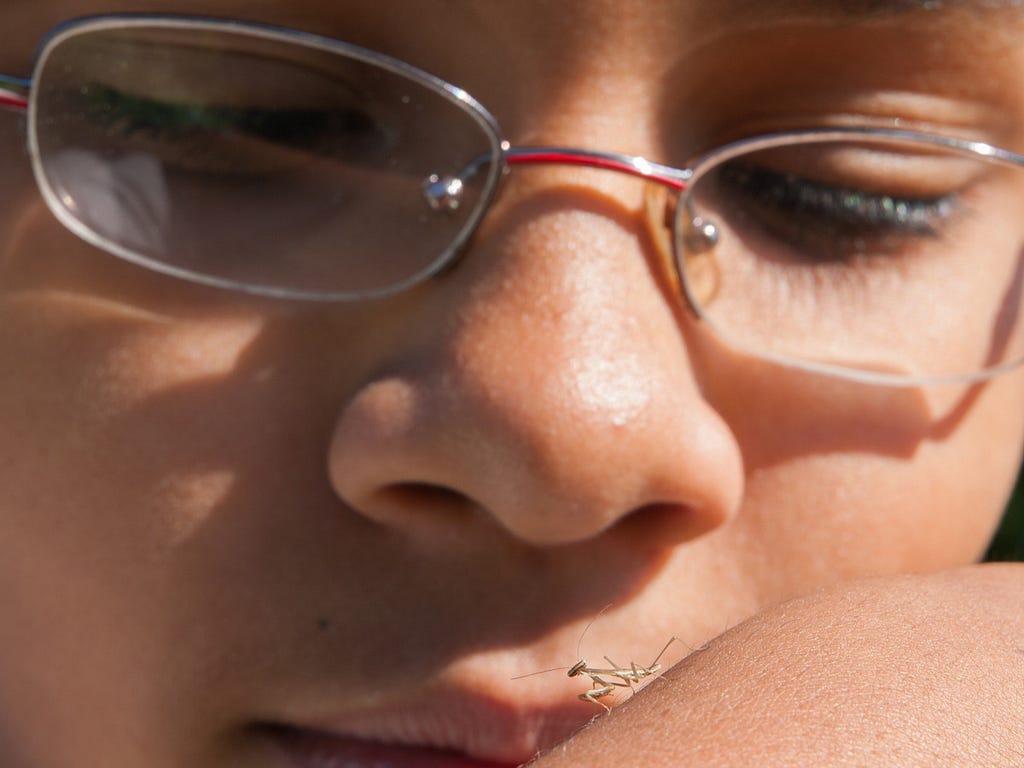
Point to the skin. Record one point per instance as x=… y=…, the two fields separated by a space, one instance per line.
x=902 y=671
x=221 y=511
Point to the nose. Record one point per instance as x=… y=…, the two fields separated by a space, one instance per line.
x=544 y=387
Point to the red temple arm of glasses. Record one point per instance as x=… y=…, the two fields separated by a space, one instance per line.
x=12 y=101
x=14 y=93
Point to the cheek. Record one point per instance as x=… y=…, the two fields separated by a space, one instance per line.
x=95 y=402
x=81 y=510
x=145 y=420
x=125 y=436
x=830 y=497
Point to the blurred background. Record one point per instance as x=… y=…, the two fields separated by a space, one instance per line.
x=1008 y=543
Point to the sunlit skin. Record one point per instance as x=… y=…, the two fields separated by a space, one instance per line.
x=221 y=512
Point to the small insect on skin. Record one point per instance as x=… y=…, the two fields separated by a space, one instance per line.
x=606 y=679
x=628 y=677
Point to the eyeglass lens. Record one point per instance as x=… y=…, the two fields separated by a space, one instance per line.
x=248 y=159
x=897 y=257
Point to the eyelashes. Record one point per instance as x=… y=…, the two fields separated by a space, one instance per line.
x=335 y=131
x=844 y=208
x=812 y=221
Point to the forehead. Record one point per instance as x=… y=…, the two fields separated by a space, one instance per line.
x=619 y=32
x=591 y=15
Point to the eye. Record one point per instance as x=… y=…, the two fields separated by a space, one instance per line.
x=827 y=220
x=834 y=201
x=207 y=137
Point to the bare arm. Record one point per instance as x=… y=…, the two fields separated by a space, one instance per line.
x=911 y=671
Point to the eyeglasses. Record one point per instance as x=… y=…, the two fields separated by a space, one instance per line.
x=284 y=164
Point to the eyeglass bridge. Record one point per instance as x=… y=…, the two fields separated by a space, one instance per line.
x=444 y=194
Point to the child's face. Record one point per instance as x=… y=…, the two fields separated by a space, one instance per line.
x=228 y=519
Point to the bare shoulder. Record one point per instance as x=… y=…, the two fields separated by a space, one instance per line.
x=907 y=671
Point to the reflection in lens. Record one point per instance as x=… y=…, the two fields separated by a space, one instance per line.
x=126 y=198
x=239 y=156
x=896 y=257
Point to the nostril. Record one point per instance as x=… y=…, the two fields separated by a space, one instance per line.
x=416 y=502
x=663 y=524
x=419 y=494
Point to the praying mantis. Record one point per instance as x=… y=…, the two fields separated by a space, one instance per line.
x=627 y=677
x=605 y=680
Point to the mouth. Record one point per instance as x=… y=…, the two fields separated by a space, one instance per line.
x=449 y=729
x=322 y=749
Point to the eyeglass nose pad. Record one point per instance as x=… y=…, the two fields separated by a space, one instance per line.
x=690 y=260
x=700 y=235
x=443 y=193
x=659 y=216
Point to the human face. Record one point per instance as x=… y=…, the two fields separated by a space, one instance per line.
x=233 y=523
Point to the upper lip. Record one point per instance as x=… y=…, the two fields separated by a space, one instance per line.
x=478 y=725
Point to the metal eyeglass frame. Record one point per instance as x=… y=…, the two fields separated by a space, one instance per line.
x=690 y=234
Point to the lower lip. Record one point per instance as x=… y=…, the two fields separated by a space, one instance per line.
x=312 y=749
